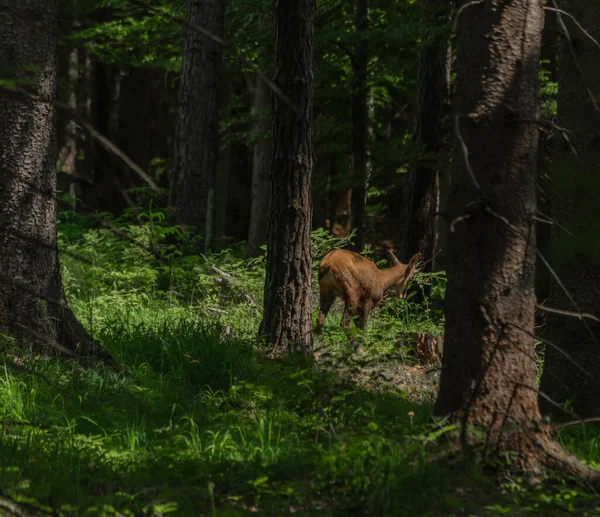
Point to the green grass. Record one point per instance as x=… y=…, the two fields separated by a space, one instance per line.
x=199 y=422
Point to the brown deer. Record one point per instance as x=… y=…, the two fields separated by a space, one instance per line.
x=360 y=283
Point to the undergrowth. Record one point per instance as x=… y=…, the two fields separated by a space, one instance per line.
x=198 y=422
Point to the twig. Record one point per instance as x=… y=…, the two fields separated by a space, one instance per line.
x=109 y=146
x=47 y=340
x=462 y=8
x=222 y=273
x=563 y=26
x=543 y=218
x=459 y=219
x=547 y=264
x=576 y=422
x=553 y=345
x=465 y=151
x=543 y=122
x=560 y=11
x=578 y=315
x=215 y=310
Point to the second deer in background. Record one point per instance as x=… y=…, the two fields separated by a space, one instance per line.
x=360 y=283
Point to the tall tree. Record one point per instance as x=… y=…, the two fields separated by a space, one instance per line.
x=32 y=303
x=287 y=320
x=196 y=121
x=257 y=234
x=489 y=373
x=576 y=188
x=360 y=122
x=421 y=232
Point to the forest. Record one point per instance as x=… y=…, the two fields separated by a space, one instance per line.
x=289 y=257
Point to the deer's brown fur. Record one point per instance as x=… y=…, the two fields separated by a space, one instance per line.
x=360 y=283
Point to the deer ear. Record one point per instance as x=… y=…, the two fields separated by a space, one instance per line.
x=393 y=259
x=413 y=259
x=410 y=268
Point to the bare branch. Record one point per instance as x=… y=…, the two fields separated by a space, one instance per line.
x=548 y=123
x=465 y=151
x=553 y=345
x=543 y=218
x=462 y=8
x=581 y=421
x=578 y=315
x=47 y=340
x=109 y=146
x=548 y=266
x=559 y=14
x=459 y=219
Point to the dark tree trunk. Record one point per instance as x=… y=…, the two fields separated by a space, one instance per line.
x=32 y=304
x=421 y=231
x=196 y=121
x=576 y=257
x=223 y=167
x=549 y=64
x=489 y=373
x=70 y=138
x=67 y=156
x=360 y=123
x=257 y=235
x=287 y=320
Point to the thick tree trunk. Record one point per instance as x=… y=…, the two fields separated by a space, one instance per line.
x=257 y=234
x=360 y=123
x=421 y=231
x=287 y=320
x=575 y=205
x=489 y=373
x=196 y=122
x=32 y=304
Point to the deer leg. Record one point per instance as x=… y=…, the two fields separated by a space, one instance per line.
x=364 y=314
x=350 y=312
x=326 y=303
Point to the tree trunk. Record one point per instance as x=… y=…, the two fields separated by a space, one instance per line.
x=576 y=257
x=32 y=304
x=196 y=121
x=489 y=373
x=223 y=167
x=287 y=322
x=257 y=235
x=68 y=134
x=421 y=231
x=360 y=123
x=549 y=65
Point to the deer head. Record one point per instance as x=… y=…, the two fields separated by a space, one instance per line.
x=408 y=273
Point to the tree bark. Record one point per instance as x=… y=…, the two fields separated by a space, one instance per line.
x=32 y=303
x=360 y=122
x=287 y=320
x=576 y=257
x=421 y=231
x=489 y=373
x=257 y=234
x=196 y=121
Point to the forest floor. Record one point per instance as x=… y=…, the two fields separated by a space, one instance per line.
x=199 y=421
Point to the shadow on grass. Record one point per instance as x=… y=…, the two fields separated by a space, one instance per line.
x=201 y=425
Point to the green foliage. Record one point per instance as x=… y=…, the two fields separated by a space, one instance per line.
x=198 y=422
